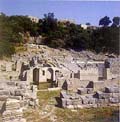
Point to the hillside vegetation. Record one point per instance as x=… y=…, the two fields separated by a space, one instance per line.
x=15 y=30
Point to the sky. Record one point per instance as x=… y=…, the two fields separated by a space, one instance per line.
x=79 y=11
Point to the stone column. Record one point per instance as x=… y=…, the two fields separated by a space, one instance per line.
x=18 y=66
x=30 y=75
x=54 y=77
x=107 y=74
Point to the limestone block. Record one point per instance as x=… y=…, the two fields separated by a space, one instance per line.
x=89 y=74
x=30 y=76
x=112 y=89
x=97 y=85
x=77 y=102
x=34 y=87
x=107 y=73
x=89 y=90
x=68 y=101
x=63 y=103
x=2 y=106
x=63 y=94
x=4 y=92
x=13 y=116
x=11 y=83
x=116 y=95
x=84 y=100
x=19 y=92
x=8 y=66
x=92 y=101
x=31 y=103
x=18 y=66
x=70 y=106
x=82 y=91
x=101 y=101
x=114 y=100
x=12 y=104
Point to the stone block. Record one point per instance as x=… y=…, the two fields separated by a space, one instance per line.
x=69 y=102
x=77 y=102
x=13 y=116
x=4 y=92
x=82 y=91
x=63 y=94
x=12 y=104
x=63 y=103
x=89 y=90
x=112 y=89
x=19 y=92
x=70 y=106
x=92 y=101
x=8 y=66
x=114 y=100
x=11 y=83
x=2 y=106
x=84 y=100
x=101 y=95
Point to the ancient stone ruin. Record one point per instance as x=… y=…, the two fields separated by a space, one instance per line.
x=87 y=76
x=86 y=98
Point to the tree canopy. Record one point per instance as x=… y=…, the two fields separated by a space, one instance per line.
x=56 y=33
x=116 y=21
x=105 y=21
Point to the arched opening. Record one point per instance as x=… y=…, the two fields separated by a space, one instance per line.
x=36 y=76
x=50 y=74
x=57 y=74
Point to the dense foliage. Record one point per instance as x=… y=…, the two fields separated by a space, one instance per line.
x=14 y=29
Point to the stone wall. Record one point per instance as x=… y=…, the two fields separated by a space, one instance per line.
x=87 y=98
x=72 y=83
x=91 y=74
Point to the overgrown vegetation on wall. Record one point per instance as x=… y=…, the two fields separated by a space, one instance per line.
x=15 y=30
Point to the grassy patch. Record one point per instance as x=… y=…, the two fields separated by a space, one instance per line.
x=108 y=114
x=44 y=85
x=20 y=48
x=47 y=97
x=33 y=116
x=66 y=115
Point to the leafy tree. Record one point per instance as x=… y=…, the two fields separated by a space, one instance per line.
x=105 y=21
x=57 y=34
x=23 y=24
x=106 y=40
x=49 y=23
x=6 y=49
x=116 y=21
